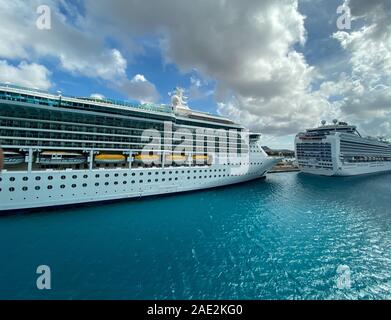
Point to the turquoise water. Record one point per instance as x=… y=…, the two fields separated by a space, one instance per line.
x=282 y=238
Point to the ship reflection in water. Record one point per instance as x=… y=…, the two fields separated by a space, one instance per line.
x=283 y=238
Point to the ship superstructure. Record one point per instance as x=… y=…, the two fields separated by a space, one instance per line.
x=61 y=150
x=338 y=149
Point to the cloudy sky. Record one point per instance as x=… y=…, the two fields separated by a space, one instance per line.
x=277 y=66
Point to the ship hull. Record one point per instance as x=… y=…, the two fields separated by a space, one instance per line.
x=22 y=190
x=351 y=169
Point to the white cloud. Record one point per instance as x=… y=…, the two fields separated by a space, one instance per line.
x=30 y=75
x=365 y=93
x=139 y=88
x=80 y=49
x=247 y=47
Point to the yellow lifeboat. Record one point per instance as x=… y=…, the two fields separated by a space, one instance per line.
x=201 y=158
x=176 y=158
x=146 y=158
x=110 y=158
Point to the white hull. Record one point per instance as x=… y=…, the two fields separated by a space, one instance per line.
x=22 y=190
x=350 y=169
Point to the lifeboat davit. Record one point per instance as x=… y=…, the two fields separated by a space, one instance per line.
x=110 y=158
x=60 y=158
x=12 y=158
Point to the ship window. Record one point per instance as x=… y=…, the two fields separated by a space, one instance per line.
x=85 y=176
x=50 y=187
x=63 y=177
x=37 y=187
x=125 y=182
x=36 y=178
x=97 y=184
x=50 y=178
x=12 y=179
x=133 y=174
x=74 y=177
x=25 y=178
x=106 y=183
x=24 y=188
x=116 y=182
x=12 y=189
x=149 y=180
x=62 y=186
x=116 y=175
x=141 y=181
x=133 y=181
x=84 y=185
x=125 y=174
x=74 y=186
x=163 y=180
x=97 y=176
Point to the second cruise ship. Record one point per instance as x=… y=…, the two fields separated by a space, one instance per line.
x=59 y=150
x=339 y=149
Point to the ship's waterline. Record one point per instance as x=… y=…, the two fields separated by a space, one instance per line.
x=291 y=236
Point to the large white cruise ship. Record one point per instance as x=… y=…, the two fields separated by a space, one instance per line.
x=61 y=150
x=339 y=150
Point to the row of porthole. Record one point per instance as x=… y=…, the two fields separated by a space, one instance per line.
x=38 y=178
x=49 y=187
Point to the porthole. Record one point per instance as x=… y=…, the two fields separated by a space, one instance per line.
x=97 y=184
x=85 y=176
x=84 y=185
x=133 y=174
x=74 y=177
x=12 y=179
x=50 y=187
x=25 y=178
x=63 y=177
x=116 y=182
x=107 y=175
x=125 y=174
x=106 y=183
x=62 y=186
x=133 y=182
x=97 y=176
x=73 y=185
x=37 y=188
x=125 y=182
x=36 y=178
x=50 y=178
x=12 y=189
x=116 y=175
x=25 y=188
